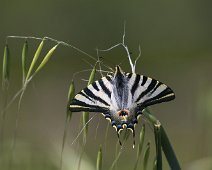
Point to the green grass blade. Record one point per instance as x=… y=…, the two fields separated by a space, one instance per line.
x=5 y=88
x=150 y=117
x=165 y=143
x=46 y=58
x=23 y=60
x=157 y=133
x=85 y=118
x=168 y=151
x=146 y=156
x=35 y=58
x=141 y=140
x=140 y=145
x=155 y=164
x=92 y=75
x=6 y=67
x=85 y=115
x=106 y=134
x=117 y=156
x=99 y=159
x=71 y=93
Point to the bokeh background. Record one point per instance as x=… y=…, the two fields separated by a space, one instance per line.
x=175 y=39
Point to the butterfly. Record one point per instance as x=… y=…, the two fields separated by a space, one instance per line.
x=121 y=97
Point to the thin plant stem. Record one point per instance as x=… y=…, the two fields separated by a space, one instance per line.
x=64 y=140
x=106 y=134
x=15 y=129
x=81 y=155
x=3 y=117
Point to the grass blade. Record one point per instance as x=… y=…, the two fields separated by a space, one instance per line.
x=35 y=58
x=71 y=91
x=165 y=143
x=141 y=140
x=140 y=145
x=85 y=118
x=168 y=151
x=71 y=94
x=46 y=58
x=5 y=88
x=23 y=60
x=85 y=115
x=92 y=75
x=6 y=69
x=146 y=156
x=157 y=133
x=99 y=159
x=155 y=164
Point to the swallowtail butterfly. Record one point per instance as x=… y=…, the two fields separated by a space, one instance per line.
x=121 y=98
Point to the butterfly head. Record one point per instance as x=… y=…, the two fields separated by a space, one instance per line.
x=118 y=71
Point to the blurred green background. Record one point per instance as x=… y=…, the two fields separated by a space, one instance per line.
x=175 y=39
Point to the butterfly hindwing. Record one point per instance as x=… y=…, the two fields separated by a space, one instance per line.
x=94 y=98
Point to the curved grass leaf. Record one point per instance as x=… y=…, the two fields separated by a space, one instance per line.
x=140 y=145
x=168 y=151
x=71 y=94
x=23 y=60
x=141 y=140
x=165 y=143
x=6 y=67
x=35 y=58
x=157 y=133
x=71 y=91
x=46 y=58
x=155 y=164
x=146 y=156
x=99 y=159
x=5 y=88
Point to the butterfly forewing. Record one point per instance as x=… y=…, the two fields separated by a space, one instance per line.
x=94 y=98
x=146 y=91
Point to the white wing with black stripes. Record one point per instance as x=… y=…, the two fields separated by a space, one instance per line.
x=94 y=98
x=121 y=97
x=146 y=91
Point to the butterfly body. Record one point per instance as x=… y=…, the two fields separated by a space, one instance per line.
x=121 y=97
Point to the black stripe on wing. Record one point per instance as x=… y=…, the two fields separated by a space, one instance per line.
x=144 y=80
x=78 y=106
x=136 y=84
x=149 y=88
x=93 y=96
x=165 y=96
x=104 y=88
x=86 y=96
x=95 y=86
x=156 y=87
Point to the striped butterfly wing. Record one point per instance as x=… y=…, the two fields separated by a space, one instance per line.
x=94 y=98
x=146 y=91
